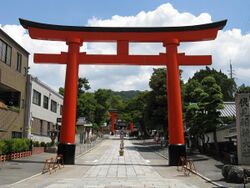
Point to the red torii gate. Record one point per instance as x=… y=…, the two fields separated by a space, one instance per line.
x=113 y=114
x=131 y=127
x=169 y=36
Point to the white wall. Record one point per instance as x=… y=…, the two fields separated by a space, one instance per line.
x=40 y=112
x=35 y=111
x=41 y=138
x=221 y=134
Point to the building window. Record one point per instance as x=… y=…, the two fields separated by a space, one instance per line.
x=8 y=55
x=3 y=50
x=48 y=129
x=45 y=102
x=61 y=109
x=5 y=53
x=53 y=106
x=19 y=62
x=41 y=127
x=15 y=134
x=36 y=98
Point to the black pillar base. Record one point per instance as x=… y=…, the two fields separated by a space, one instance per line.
x=68 y=152
x=175 y=152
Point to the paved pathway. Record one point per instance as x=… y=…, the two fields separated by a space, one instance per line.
x=104 y=168
x=19 y=169
x=205 y=165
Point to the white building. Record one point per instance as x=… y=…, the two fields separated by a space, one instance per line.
x=226 y=132
x=44 y=106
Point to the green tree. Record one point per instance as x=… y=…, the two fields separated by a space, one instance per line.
x=243 y=89
x=134 y=110
x=204 y=115
x=83 y=85
x=228 y=85
x=212 y=102
x=116 y=102
x=156 y=102
x=189 y=95
x=84 y=102
x=126 y=95
x=195 y=116
x=102 y=97
x=87 y=106
x=61 y=91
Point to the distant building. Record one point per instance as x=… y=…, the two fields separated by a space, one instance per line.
x=44 y=107
x=229 y=110
x=226 y=132
x=13 y=76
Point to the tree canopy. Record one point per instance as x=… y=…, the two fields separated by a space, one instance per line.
x=203 y=96
x=227 y=85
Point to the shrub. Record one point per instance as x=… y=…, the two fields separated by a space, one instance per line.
x=49 y=144
x=18 y=144
x=42 y=144
x=14 y=145
x=3 y=148
x=24 y=144
x=36 y=144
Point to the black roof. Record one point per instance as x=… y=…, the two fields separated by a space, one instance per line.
x=27 y=23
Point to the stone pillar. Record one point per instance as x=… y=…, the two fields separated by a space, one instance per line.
x=243 y=128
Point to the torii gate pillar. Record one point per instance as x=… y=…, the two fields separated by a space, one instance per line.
x=67 y=133
x=131 y=127
x=175 y=124
x=112 y=123
x=113 y=114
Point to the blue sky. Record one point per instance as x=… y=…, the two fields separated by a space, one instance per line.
x=232 y=44
x=77 y=12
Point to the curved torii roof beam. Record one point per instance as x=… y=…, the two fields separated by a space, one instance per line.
x=133 y=34
x=123 y=35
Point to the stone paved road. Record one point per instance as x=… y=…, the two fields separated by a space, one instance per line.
x=104 y=168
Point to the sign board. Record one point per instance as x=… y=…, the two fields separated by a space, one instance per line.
x=243 y=128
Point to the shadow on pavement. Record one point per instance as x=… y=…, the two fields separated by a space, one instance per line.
x=25 y=161
x=219 y=166
x=143 y=149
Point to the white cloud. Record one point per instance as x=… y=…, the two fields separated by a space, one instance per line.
x=164 y=15
x=229 y=45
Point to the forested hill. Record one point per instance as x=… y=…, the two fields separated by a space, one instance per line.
x=126 y=95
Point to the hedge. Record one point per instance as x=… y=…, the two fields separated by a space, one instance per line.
x=14 y=145
x=3 y=147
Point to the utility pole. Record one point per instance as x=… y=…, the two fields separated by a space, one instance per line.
x=231 y=71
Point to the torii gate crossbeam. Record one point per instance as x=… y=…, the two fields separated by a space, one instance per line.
x=170 y=37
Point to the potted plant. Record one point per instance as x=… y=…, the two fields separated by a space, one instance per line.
x=121 y=151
